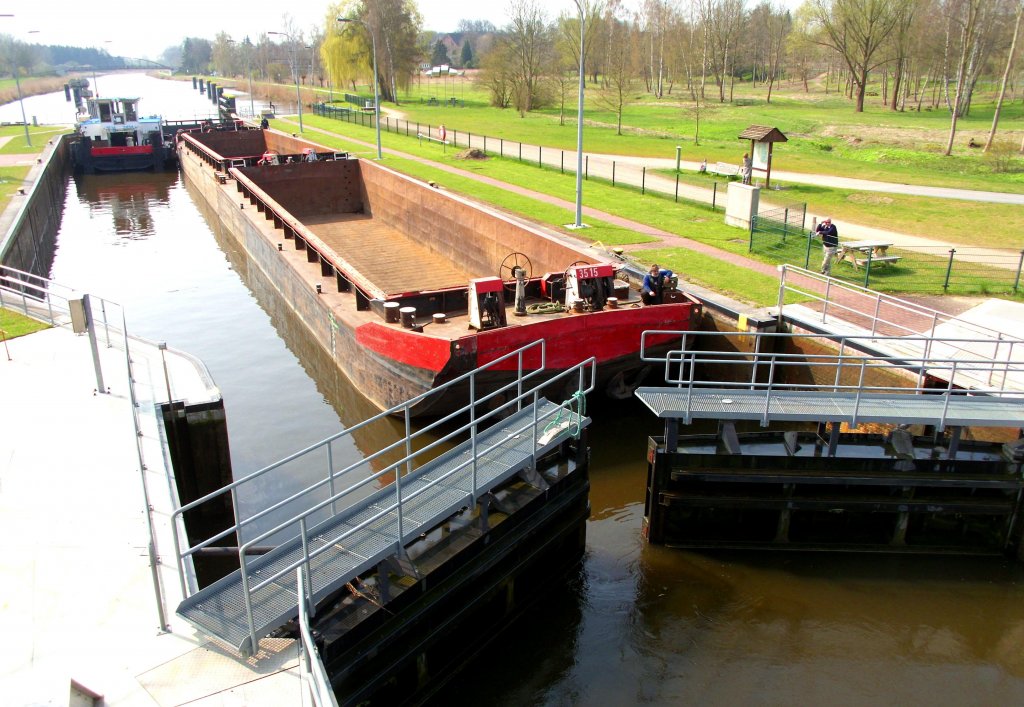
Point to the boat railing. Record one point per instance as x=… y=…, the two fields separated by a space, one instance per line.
x=877 y=313
x=763 y=363
x=328 y=496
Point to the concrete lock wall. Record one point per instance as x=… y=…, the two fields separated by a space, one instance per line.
x=32 y=219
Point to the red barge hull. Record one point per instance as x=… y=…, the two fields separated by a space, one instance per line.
x=408 y=286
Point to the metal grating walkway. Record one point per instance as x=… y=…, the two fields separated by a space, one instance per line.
x=340 y=551
x=826 y=406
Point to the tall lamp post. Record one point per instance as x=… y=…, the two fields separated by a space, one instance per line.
x=581 y=6
x=376 y=95
x=295 y=69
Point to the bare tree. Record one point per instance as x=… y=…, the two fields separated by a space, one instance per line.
x=1006 y=75
x=621 y=63
x=856 y=29
x=962 y=24
x=528 y=36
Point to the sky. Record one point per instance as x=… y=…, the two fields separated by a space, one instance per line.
x=138 y=30
x=135 y=30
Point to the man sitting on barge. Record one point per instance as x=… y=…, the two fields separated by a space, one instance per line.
x=652 y=291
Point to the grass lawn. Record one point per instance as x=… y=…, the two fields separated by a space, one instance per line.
x=825 y=134
x=40 y=134
x=13 y=325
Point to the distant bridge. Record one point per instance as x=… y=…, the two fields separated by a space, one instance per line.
x=124 y=63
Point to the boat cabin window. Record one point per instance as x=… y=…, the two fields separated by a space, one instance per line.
x=130 y=111
x=105 y=112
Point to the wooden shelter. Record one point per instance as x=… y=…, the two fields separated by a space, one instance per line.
x=761 y=139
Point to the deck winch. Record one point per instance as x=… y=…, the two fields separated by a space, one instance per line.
x=486 y=303
x=590 y=285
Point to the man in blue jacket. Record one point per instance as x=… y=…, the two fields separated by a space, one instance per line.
x=652 y=289
x=830 y=244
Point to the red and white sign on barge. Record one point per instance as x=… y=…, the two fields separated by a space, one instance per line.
x=408 y=286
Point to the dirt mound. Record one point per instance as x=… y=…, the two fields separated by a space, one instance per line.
x=472 y=153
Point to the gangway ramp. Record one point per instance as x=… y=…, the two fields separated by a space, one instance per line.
x=261 y=596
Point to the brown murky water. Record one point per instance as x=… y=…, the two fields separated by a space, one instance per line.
x=634 y=623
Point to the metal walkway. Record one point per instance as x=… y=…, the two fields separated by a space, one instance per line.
x=771 y=383
x=687 y=404
x=262 y=595
x=898 y=329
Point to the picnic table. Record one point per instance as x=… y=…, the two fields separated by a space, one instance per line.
x=860 y=252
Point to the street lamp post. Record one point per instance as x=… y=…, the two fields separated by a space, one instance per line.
x=376 y=94
x=581 y=6
x=295 y=69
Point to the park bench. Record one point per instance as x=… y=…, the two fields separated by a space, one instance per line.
x=725 y=169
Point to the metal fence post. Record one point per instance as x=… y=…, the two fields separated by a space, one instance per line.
x=785 y=224
x=677 y=187
x=562 y=163
x=1016 y=280
x=586 y=167
x=540 y=156
x=714 y=194
x=949 y=268
x=867 y=269
x=520 y=152
x=613 y=173
x=501 y=147
x=807 y=257
x=643 y=181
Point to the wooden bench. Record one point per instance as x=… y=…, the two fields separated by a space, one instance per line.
x=725 y=169
x=875 y=261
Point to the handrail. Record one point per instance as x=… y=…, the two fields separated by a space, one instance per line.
x=835 y=288
x=311 y=666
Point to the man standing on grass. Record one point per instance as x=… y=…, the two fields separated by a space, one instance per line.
x=830 y=244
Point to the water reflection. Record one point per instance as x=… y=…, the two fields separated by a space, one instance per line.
x=129 y=203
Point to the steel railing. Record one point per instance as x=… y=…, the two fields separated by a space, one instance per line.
x=846 y=371
x=529 y=361
x=877 y=313
x=311 y=667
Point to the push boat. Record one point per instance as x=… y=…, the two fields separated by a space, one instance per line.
x=408 y=286
x=112 y=136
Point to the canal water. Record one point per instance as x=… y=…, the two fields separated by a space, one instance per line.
x=633 y=624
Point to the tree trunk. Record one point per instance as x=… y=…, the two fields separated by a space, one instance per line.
x=1006 y=76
